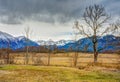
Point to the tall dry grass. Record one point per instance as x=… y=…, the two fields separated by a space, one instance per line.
x=66 y=59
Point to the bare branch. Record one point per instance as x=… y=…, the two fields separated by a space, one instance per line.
x=80 y=29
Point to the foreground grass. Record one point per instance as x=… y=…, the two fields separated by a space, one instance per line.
x=18 y=73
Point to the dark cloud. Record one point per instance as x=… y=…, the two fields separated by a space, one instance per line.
x=112 y=6
x=17 y=11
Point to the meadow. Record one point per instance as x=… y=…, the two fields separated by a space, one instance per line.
x=18 y=73
x=66 y=59
x=61 y=68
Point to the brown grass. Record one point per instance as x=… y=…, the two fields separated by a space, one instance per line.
x=66 y=59
x=29 y=73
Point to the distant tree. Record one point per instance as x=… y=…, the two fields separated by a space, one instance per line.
x=115 y=27
x=55 y=49
x=5 y=52
x=49 y=53
x=8 y=52
x=27 y=35
x=94 y=17
x=75 y=57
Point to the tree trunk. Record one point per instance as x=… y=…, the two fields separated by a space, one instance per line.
x=75 y=59
x=49 y=56
x=49 y=59
x=7 y=59
x=95 y=57
x=95 y=52
x=27 y=55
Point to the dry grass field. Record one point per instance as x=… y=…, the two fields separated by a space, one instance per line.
x=61 y=68
x=66 y=59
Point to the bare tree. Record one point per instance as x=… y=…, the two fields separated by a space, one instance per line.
x=76 y=54
x=75 y=58
x=115 y=27
x=5 y=52
x=27 y=35
x=94 y=17
x=8 y=52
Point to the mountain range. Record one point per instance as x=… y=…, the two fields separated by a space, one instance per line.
x=105 y=43
x=108 y=43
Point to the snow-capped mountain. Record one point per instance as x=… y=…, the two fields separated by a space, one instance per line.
x=106 y=43
x=8 y=41
x=51 y=42
x=63 y=42
x=22 y=42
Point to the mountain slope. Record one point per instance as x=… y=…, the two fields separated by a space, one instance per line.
x=105 y=43
x=8 y=41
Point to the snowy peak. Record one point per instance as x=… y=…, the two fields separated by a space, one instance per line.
x=63 y=42
x=21 y=37
x=109 y=37
x=5 y=36
x=51 y=42
x=41 y=42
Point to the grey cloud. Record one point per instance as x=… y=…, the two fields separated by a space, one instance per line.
x=50 y=11
x=11 y=19
x=112 y=6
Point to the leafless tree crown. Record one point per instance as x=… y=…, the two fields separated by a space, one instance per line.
x=94 y=17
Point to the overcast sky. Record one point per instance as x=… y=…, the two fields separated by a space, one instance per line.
x=48 y=19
